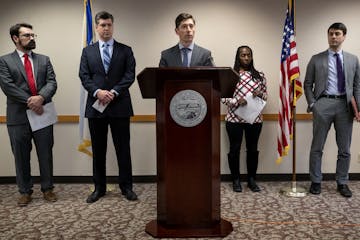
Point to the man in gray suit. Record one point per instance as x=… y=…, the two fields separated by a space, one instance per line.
x=185 y=53
x=28 y=81
x=332 y=79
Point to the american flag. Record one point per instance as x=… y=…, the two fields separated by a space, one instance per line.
x=289 y=79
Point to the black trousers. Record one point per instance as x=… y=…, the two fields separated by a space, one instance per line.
x=120 y=131
x=235 y=133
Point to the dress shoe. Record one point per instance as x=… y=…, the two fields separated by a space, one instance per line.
x=315 y=188
x=129 y=194
x=344 y=190
x=253 y=186
x=94 y=196
x=24 y=200
x=237 y=185
x=50 y=196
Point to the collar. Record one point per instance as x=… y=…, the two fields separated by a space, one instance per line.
x=331 y=52
x=191 y=46
x=110 y=42
x=21 y=53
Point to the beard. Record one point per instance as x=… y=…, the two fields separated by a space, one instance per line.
x=30 y=46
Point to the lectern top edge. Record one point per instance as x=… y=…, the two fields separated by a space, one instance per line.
x=225 y=77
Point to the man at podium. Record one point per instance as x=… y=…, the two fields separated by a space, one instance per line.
x=185 y=53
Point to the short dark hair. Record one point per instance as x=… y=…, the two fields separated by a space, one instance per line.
x=14 y=30
x=103 y=15
x=181 y=17
x=338 y=26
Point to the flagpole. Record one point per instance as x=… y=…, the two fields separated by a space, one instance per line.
x=293 y=191
x=294 y=142
x=294 y=117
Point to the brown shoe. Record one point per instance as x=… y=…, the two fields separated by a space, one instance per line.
x=24 y=200
x=50 y=196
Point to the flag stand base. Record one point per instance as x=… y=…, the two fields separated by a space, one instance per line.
x=293 y=191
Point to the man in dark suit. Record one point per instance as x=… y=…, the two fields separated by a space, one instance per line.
x=107 y=70
x=28 y=81
x=332 y=79
x=185 y=53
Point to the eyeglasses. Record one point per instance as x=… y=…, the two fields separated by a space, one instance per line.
x=28 y=35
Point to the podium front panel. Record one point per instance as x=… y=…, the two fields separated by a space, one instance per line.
x=188 y=167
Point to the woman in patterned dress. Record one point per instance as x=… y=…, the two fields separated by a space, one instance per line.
x=251 y=82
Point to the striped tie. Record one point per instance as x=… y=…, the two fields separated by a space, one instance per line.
x=106 y=56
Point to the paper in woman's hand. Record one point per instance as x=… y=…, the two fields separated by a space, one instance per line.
x=252 y=109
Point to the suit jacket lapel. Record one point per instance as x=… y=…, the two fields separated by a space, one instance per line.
x=325 y=69
x=194 y=55
x=177 y=55
x=114 y=54
x=36 y=66
x=19 y=64
x=346 y=69
x=97 y=49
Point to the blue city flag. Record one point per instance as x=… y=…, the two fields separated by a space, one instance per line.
x=88 y=38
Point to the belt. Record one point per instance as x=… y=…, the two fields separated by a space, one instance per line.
x=333 y=96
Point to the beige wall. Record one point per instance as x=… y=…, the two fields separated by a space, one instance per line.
x=148 y=26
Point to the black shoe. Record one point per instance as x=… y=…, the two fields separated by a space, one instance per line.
x=94 y=196
x=253 y=186
x=129 y=194
x=237 y=185
x=315 y=188
x=344 y=190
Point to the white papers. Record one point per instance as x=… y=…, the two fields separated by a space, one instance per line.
x=252 y=109
x=99 y=106
x=48 y=117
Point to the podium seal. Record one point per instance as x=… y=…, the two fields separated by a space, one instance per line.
x=188 y=108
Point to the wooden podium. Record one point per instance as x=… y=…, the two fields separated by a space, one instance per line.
x=188 y=158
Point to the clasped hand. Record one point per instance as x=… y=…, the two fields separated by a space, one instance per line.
x=242 y=102
x=35 y=103
x=357 y=117
x=105 y=96
x=257 y=93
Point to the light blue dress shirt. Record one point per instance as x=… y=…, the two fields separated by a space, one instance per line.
x=332 y=88
x=189 y=53
x=111 y=48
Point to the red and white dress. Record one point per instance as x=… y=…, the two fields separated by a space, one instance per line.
x=245 y=85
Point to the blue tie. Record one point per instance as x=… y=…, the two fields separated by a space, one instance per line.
x=106 y=56
x=185 y=62
x=340 y=74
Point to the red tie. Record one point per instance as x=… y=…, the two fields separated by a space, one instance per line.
x=29 y=74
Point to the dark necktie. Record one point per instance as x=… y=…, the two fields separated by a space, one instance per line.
x=106 y=57
x=340 y=74
x=185 y=62
x=30 y=75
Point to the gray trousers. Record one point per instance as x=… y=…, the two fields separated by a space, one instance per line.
x=325 y=112
x=20 y=139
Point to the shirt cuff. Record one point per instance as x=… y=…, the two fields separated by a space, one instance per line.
x=96 y=91
x=115 y=92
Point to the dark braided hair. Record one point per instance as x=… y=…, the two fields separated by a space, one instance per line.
x=237 y=65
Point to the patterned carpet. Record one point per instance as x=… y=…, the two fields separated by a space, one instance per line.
x=264 y=215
